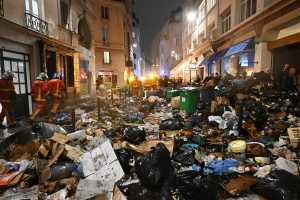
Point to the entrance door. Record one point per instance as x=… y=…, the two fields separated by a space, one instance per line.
x=286 y=55
x=18 y=63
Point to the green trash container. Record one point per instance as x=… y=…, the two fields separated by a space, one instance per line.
x=189 y=99
x=172 y=93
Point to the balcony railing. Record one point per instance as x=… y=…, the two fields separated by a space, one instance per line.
x=1 y=8
x=36 y=24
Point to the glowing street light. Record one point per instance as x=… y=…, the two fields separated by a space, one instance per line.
x=143 y=79
x=191 y=16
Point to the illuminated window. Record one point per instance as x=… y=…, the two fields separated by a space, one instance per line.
x=202 y=11
x=33 y=7
x=106 y=57
x=211 y=4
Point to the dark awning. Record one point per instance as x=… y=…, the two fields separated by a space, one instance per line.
x=214 y=58
x=238 y=48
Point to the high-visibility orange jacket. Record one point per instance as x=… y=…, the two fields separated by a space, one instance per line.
x=7 y=90
x=39 y=90
x=56 y=87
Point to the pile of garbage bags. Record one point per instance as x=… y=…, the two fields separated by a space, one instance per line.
x=242 y=142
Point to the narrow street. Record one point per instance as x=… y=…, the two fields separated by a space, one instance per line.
x=149 y=100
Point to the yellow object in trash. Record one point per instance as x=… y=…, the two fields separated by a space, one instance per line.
x=237 y=146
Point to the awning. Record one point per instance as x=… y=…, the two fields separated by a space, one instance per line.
x=213 y=58
x=199 y=61
x=238 y=48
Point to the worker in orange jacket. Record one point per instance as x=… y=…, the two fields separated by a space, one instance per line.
x=56 y=89
x=7 y=91
x=39 y=92
x=136 y=87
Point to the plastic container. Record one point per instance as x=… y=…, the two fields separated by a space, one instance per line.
x=189 y=99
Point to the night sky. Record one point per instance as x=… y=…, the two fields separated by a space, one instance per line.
x=152 y=15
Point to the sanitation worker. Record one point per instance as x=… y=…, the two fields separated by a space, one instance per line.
x=56 y=89
x=39 y=92
x=7 y=92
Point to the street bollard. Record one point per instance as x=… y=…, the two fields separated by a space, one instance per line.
x=98 y=107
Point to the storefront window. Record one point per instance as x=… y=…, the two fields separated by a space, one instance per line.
x=247 y=59
x=225 y=64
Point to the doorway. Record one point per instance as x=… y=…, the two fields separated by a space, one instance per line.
x=286 y=55
x=19 y=64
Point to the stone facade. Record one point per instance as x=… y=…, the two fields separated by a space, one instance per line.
x=63 y=36
x=223 y=25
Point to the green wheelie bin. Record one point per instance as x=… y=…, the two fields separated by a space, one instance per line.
x=172 y=93
x=189 y=99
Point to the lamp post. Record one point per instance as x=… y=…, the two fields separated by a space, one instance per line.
x=191 y=16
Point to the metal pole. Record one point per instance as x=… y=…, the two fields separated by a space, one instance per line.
x=73 y=111
x=112 y=96
x=98 y=107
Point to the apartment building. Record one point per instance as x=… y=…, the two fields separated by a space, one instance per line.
x=113 y=43
x=63 y=36
x=39 y=36
x=235 y=36
x=138 y=65
x=170 y=46
x=167 y=45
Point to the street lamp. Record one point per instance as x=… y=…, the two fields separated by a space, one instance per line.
x=191 y=16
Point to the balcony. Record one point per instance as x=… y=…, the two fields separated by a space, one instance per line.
x=36 y=24
x=1 y=8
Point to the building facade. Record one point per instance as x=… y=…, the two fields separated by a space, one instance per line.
x=113 y=44
x=167 y=45
x=238 y=36
x=137 y=50
x=61 y=36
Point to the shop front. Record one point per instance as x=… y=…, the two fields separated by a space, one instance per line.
x=107 y=78
x=239 y=58
x=286 y=50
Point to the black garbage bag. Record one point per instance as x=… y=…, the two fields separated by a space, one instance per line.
x=111 y=132
x=154 y=169
x=125 y=156
x=23 y=135
x=134 y=135
x=47 y=130
x=192 y=186
x=185 y=156
x=136 y=191
x=279 y=185
x=171 y=124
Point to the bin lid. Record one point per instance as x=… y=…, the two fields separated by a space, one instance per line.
x=190 y=88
